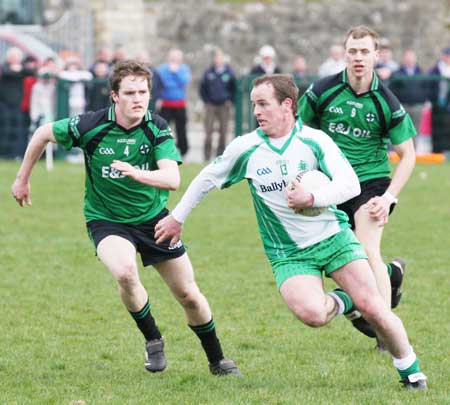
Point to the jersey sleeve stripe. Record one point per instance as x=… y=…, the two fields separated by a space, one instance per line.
x=237 y=172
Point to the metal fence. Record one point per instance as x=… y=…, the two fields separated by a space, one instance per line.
x=432 y=88
x=13 y=130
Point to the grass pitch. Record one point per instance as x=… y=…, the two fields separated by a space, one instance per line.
x=65 y=336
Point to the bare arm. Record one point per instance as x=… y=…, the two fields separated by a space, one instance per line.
x=21 y=186
x=167 y=176
x=404 y=168
x=379 y=206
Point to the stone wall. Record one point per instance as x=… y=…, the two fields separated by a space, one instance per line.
x=291 y=26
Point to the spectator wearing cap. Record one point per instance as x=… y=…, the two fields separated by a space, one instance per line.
x=335 y=62
x=385 y=66
x=265 y=62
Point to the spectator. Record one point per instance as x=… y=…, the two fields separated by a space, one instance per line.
x=104 y=55
x=43 y=98
x=11 y=84
x=335 y=62
x=30 y=65
x=410 y=91
x=216 y=91
x=266 y=62
x=74 y=73
x=439 y=90
x=439 y=96
x=97 y=90
x=175 y=77
x=120 y=54
x=385 y=66
x=300 y=73
x=144 y=57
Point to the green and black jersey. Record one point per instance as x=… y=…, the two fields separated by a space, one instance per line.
x=361 y=124
x=109 y=195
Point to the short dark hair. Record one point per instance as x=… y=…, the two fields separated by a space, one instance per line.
x=361 y=31
x=129 y=68
x=284 y=87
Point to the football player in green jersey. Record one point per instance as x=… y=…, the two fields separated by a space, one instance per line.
x=362 y=116
x=301 y=248
x=131 y=164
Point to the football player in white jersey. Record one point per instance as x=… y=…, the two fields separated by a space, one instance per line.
x=301 y=248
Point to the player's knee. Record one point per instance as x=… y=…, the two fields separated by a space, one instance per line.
x=189 y=298
x=314 y=317
x=127 y=276
x=372 y=310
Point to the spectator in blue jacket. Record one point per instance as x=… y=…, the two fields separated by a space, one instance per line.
x=410 y=90
x=216 y=91
x=174 y=78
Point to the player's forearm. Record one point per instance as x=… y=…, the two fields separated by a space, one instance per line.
x=39 y=140
x=196 y=191
x=343 y=187
x=166 y=179
x=404 y=167
x=402 y=174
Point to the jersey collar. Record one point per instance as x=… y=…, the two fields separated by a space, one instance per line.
x=297 y=128
x=112 y=114
x=375 y=81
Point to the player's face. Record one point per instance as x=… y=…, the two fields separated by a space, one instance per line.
x=361 y=56
x=273 y=118
x=132 y=99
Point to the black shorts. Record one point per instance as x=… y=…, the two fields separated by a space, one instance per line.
x=369 y=188
x=142 y=236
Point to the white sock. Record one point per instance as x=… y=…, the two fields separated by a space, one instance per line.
x=341 y=306
x=406 y=362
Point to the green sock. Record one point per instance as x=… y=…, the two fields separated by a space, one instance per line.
x=412 y=369
x=389 y=269
x=345 y=298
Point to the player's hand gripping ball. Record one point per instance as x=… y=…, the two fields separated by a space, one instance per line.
x=310 y=180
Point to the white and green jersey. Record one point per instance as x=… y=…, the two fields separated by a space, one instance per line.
x=268 y=165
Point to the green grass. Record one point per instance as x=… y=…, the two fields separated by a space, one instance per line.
x=65 y=335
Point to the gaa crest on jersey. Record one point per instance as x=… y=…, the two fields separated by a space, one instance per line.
x=370 y=117
x=302 y=166
x=144 y=149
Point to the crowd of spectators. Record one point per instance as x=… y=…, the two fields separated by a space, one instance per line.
x=28 y=95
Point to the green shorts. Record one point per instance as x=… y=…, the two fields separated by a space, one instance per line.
x=326 y=256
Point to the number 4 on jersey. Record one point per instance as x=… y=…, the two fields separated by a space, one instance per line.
x=126 y=152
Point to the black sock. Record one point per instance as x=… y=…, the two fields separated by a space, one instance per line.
x=146 y=323
x=396 y=275
x=207 y=335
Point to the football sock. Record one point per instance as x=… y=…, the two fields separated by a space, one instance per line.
x=146 y=323
x=408 y=365
x=208 y=338
x=389 y=269
x=343 y=300
x=395 y=274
